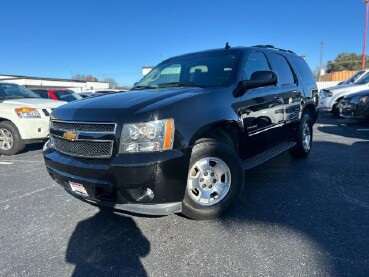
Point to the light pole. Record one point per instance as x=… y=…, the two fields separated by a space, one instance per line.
x=321 y=59
x=366 y=27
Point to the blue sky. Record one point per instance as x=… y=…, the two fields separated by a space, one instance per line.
x=116 y=38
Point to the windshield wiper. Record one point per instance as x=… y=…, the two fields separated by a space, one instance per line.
x=180 y=84
x=144 y=87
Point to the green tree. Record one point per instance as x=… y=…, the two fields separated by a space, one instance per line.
x=346 y=61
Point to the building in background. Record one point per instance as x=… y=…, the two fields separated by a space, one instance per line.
x=146 y=70
x=41 y=82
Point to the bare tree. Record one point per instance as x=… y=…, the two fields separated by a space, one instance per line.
x=82 y=77
x=111 y=81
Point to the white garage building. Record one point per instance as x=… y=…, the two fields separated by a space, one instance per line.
x=40 y=82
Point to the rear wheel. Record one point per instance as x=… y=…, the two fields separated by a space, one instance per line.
x=215 y=180
x=10 y=140
x=304 y=138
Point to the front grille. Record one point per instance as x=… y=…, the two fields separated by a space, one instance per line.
x=82 y=148
x=91 y=139
x=84 y=127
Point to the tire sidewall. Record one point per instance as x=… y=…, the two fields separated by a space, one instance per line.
x=305 y=120
x=18 y=144
x=227 y=155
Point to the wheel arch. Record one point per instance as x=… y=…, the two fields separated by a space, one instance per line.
x=2 y=119
x=227 y=131
x=311 y=110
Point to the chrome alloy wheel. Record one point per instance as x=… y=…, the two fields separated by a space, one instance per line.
x=306 y=137
x=6 y=139
x=209 y=180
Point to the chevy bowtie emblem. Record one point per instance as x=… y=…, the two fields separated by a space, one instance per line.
x=69 y=135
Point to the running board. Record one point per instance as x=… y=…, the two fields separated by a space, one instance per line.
x=267 y=155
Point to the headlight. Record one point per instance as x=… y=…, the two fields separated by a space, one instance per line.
x=358 y=99
x=147 y=137
x=326 y=93
x=26 y=112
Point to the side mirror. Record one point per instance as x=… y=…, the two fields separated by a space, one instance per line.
x=258 y=79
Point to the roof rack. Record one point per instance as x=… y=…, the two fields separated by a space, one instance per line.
x=275 y=48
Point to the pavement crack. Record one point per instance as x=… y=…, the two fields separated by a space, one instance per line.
x=25 y=195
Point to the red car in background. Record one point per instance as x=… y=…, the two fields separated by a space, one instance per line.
x=58 y=94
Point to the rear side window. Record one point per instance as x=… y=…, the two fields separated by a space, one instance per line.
x=42 y=93
x=304 y=70
x=255 y=62
x=285 y=75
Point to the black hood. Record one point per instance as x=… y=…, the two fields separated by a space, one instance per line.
x=360 y=93
x=133 y=106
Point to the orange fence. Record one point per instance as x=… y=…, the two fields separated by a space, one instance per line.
x=338 y=76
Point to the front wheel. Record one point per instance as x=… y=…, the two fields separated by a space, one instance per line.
x=10 y=140
x=304 y=138
x=215 y=180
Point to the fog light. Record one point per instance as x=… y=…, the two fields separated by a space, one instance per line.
x=142 y=195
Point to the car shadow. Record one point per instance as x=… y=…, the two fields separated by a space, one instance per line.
x=324 y=198
x=329 y=124
x=107 y=244
x=33 y=147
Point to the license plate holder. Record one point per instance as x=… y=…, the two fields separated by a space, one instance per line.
x=78 y=188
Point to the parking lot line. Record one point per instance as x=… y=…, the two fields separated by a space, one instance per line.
x=26 y=194
x=22 y=161
x=6 y=163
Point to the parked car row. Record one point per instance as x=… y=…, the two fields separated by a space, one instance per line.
x=58 y=94
x=349 y=100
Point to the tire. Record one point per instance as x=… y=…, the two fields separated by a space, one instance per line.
x=11 y=142
x=335 y=108
x=304 y=138
x=215 y=180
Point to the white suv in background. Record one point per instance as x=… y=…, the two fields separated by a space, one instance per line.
x=24 y=117
x=330 y=98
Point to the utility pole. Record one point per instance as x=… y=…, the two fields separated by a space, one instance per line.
x=365 y=30
x=321 y=59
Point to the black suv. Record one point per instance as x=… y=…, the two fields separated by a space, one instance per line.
x=180 y=140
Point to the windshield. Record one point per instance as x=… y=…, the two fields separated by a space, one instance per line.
x=363 y=80
x=354 y=77
x=208 y=69
x=67 y=95
x=13 y=91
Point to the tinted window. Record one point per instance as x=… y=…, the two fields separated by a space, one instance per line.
x=285 y=75
x=67 y=95
x=13 y=91
x=255 y=62
x=363 y=80
x=305 y=71
x=42 y=93
x=205 y=69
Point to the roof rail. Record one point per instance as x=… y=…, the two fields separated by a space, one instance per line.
x=275 y=48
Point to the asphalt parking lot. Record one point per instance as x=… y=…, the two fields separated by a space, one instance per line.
x=295 y=218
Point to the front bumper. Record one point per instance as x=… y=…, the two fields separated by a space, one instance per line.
x=350 y=110
x=325 y=102
x=33 y=128
x=123 y=182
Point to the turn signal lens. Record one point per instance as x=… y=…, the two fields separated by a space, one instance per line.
x=27 y=112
